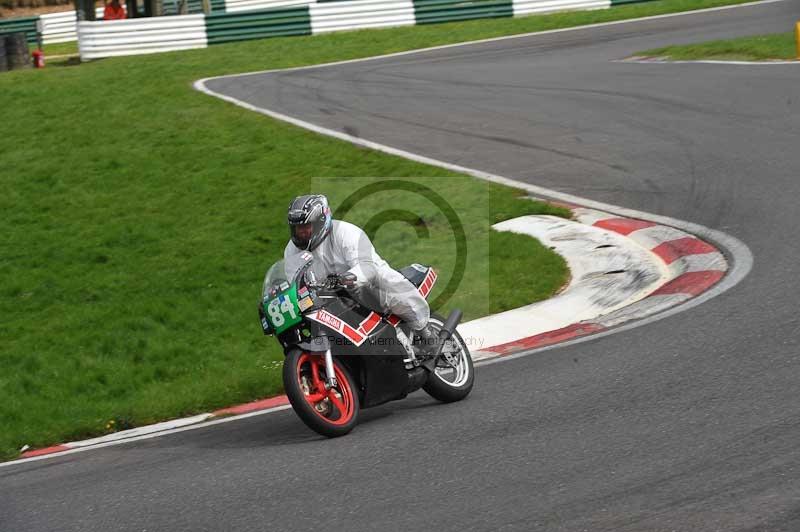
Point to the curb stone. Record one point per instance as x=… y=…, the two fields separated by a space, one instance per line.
x=694 y=266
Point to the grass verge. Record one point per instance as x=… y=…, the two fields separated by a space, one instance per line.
x=140 y=216
x=59 y=49
x=779 y=46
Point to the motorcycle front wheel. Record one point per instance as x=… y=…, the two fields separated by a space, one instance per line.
x=454 y=374
x=331 y=412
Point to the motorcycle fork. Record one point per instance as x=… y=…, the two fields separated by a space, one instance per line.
x=331 y=374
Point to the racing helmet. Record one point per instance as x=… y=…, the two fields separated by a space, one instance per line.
x=310 y=221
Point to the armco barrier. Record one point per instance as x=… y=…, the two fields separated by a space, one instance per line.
x=62 y=27
x=434 y=11
x=59 y=27
x=361 y=14
x=56 y=27
x=530 y=7
x=279 y=22
x=20 y=24
x=141 y=36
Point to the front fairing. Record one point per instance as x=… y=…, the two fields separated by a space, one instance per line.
x=377 y=363
x=286 y=286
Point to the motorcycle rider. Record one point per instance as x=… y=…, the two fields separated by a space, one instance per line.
x=340 y=247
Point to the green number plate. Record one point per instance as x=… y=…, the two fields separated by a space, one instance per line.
x=282 y=311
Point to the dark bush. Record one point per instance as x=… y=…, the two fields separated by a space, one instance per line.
x=13 y=4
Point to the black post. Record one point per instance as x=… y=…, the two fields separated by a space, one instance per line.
x=87 y=8
x=3 y=60
x=153 y=8
x=78 y=9
x=18 y=54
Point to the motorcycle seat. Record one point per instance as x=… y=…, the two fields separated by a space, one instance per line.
x=415 y=273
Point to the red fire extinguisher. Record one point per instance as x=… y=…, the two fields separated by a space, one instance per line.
x=38 y=58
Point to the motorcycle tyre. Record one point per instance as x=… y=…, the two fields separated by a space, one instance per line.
x=440 y=390
x=302 y=407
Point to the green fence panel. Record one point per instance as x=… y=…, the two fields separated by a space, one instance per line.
x=433 y=11
x=15 y=25
x=247 y=25
x=169 y=8
x=217 y=6
x=172 y=7
x=195 y=7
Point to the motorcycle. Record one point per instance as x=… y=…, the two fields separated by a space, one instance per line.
x=341 y=356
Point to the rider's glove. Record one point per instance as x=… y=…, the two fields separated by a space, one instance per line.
x=343 y=280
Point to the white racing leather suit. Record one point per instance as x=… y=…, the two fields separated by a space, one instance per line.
x=378 y=286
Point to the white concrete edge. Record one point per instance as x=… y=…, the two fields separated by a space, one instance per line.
x=585 y=298
x=141 y=431
x=737 y=252
x=201 y=82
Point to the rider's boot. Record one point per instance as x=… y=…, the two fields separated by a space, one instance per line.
x=426 y=340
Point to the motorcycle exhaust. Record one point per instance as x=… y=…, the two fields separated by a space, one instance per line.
x=449 y=327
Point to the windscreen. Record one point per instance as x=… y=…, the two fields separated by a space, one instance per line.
x=282 y=274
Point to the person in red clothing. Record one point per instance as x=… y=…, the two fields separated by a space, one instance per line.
x=114 y=11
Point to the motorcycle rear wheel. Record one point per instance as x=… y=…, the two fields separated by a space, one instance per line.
x=450 y=383
x=329 y=412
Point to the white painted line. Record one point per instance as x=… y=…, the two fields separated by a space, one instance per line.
x=140 y=431
x=492 y=39
x=147 y=436
x=743 y=259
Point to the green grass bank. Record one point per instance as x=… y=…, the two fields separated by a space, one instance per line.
x=140 y=216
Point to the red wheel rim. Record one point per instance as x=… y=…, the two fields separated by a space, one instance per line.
x=336 y=409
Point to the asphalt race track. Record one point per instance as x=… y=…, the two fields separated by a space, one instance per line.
x=691 y=423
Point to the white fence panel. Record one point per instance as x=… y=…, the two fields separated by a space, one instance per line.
x=235 y=6
x=59 y=27
x=141 y=36
x=528 y=7
x=360 y=14
x=62 y=27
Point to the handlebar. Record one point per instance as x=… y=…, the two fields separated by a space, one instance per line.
x=334 y=281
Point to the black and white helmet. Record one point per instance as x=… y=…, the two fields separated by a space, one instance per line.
x=310 y=221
